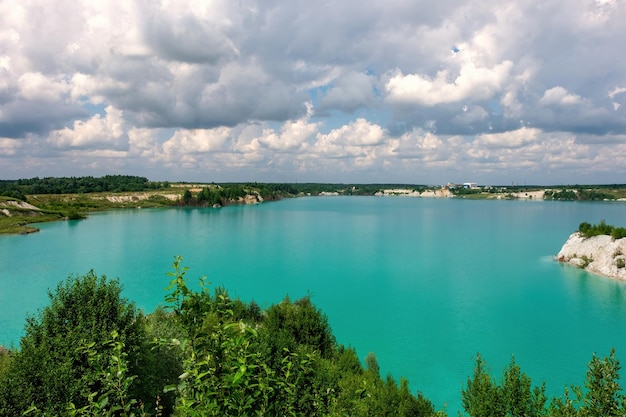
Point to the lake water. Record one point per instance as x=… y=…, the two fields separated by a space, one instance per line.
x=423 y=283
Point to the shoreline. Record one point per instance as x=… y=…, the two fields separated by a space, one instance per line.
x=17 y=217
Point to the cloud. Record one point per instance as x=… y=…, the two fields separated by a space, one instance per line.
x=349 y=92
x=559 y=96
x=357 y=133
x=19 y=117
x=511 y=139
x=197 y=141
x=97 y=132
x=188 y=33
x=9 y=147
x=617 y=91
x=37 y=87
x=477 y=83
x=293 y=134
x=364 y=90
x=471 y=115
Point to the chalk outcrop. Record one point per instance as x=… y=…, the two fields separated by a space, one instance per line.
x=9 y=204
x=600 y=255
x=442 y=192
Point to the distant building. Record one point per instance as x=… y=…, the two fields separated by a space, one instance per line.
x=466 y=185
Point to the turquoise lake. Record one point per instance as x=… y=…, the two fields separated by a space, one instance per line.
x=425 y=284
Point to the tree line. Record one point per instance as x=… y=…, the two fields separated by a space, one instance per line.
x=77 y=185
x=578 y=194
x=209 y=195
x=215 y=195
x=91 y=352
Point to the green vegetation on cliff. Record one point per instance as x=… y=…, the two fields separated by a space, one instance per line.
x=587 y=193
x=589 y=230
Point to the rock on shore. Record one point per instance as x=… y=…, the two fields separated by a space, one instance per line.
x=442 y=192
x=601 y=255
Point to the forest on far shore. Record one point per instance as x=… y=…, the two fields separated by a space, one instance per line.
x=91 y=352
x=21 y=188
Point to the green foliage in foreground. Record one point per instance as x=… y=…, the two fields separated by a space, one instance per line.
x=91 y=353
x=70 y=343
x=589 y=230
x=514 y=395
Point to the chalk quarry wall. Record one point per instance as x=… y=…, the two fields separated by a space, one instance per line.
x=601 y=255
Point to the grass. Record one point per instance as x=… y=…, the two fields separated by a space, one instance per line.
x=99 y=201
x=20 y=224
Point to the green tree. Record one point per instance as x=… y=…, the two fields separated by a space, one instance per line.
x=513 y=396
x=224 y=371
x=289 y=325
x=50 y=371
x=518 y=396
x=603 y=397
x=187 y=197
x=5 y=360
x=481 y=396
x=565 y=406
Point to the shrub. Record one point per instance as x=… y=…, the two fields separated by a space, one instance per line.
x=50 y=371
x=5 y=360
x=588 y=230
x=586 y=261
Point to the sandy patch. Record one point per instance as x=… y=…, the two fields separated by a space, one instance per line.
x=529 y=195
x=19 y=204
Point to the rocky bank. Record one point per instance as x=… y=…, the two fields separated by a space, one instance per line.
x=600 y=255
x=443 y=192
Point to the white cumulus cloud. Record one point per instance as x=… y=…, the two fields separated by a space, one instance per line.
x=99 y=132
x=559 y=96
x=477 y=83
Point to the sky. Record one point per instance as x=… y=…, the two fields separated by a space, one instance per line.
x=395 y=91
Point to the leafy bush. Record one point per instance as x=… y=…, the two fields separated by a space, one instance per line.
x=49 y=371
x=72 y=214
x=284 y=361
x=567 y=195
x=87 y=354
x=589 y=230
x=5 y=360
x=223 y=371
x=586 y=261
x=513 y=396
x=594 y=195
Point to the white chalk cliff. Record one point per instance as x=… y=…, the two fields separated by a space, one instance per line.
x=601 y=255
